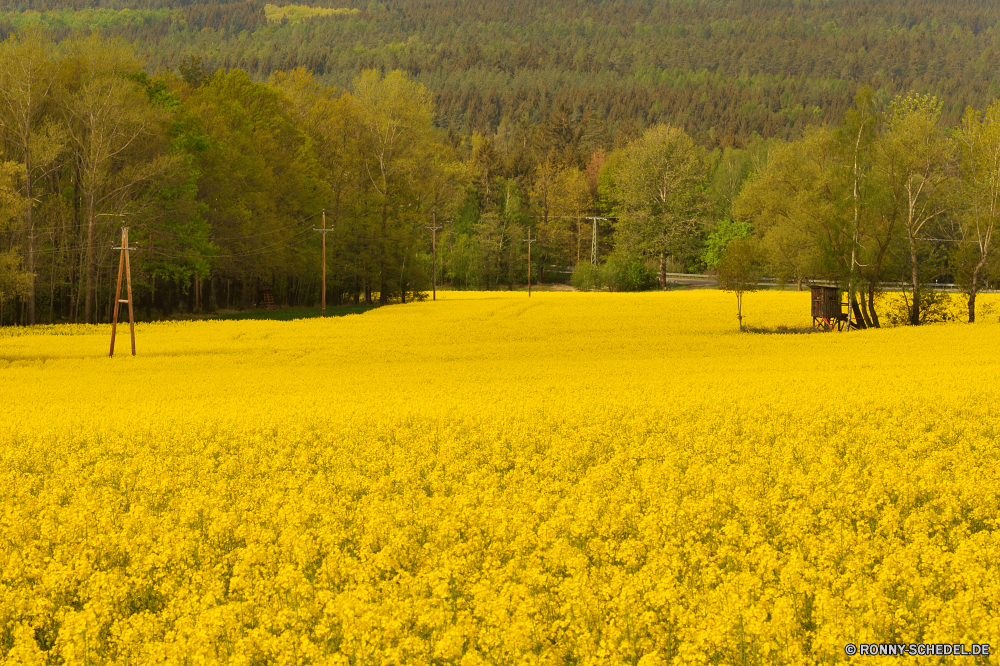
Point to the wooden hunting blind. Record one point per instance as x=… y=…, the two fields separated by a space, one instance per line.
x=267 y=296
x=827 y=310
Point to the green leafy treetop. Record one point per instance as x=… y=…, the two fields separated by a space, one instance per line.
x=740 y=270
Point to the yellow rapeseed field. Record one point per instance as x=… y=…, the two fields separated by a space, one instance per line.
x=488 y=479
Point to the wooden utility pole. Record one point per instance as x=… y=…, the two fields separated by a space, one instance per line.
x=434 y=253
x=529 y=240
x=123 y=263
x=322 y=288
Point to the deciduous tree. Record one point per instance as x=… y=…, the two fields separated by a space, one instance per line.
x=14 y=280
x=740 y=271
x=394 y=115
x=27 y=73
x=661 y=190
x=913 y=157
x=979 y=151
x=108 y=115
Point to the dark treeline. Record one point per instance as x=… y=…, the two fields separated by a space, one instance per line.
x=722 y=71
x=219 y=179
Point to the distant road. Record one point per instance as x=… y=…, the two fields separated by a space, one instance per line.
x=701 y=280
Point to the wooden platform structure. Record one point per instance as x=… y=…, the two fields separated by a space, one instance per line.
x=267 y=296
x=827 y=309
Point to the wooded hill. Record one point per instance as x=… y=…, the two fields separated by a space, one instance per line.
x=722 y=71
x=681 y=127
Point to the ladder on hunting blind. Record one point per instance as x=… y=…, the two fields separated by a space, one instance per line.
x=268 y=297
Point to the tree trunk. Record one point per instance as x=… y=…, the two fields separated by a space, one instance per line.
x=30 y=224
x=81 y=285
x=974 y=289
x=383 y=296
x=864 y=310
x=860 y=320
x=663 y=271
x=52 y=281
x=915 y=305
x=73 y=299
x=88 y=303
x=872 y=312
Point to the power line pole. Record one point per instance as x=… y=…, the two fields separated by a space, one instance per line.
x=322 y=289
x=123 y=263
x=593 y=244
x=529 y=240
x=434 y=253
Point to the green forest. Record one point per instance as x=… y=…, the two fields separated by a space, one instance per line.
x=435 y=137
x=721 y=70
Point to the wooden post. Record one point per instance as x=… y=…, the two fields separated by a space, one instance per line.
x=118 y=291
x=434 y=262
x=322 y=289
x=323 y=285
x=128 y=286
x=529 y=240
x=123 y=264
x=434 y=256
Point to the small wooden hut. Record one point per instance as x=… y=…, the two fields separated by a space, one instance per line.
x=827 y=310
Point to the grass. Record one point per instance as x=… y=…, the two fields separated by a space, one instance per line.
x=288 y=314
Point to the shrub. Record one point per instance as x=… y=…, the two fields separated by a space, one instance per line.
x=626 y=273
x=586 y=277
x=935 y=306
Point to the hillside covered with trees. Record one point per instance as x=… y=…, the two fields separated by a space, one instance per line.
x=222 y=134
x=721 y=70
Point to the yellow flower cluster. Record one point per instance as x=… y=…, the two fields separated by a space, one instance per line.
x=492 y=479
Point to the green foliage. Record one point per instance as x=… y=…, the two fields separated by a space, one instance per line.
x=620 y=272
x=799 y=205
x=767 y=69
x=740 y=270
x=14 y=280
x=254 y=178
x=89 y=19
x=660 y=190
x=624 y=272
x=291 y=314
x=299 y=13
x=935 y=307
x=192 y=70
x=725 y=231
x=157 y=90
x=586 y=277
x=500 y=119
